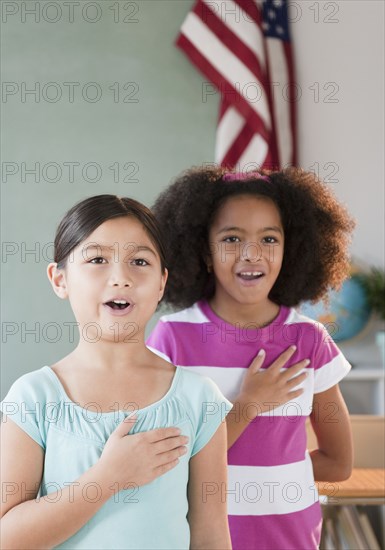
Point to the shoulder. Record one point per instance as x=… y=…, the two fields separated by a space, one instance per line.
x=294 y=316
x=305 y=327
x=195 y=388
x=173 y=329
x=37 y=386
x=315 y=341
x=27 y=400
x=205 y=406
x=195 y=380
x=193 y=314
x=315 y=332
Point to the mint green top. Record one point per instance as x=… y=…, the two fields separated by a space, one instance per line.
x=152 y=516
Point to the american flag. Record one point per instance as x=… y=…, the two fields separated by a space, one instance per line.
x=243 y=48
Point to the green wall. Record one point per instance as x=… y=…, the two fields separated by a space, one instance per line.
x=163 y=127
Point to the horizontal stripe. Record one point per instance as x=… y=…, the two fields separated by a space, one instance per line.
x=298 y=530
x=331 y=373
x=256 y=491
x=213 y=343
x=210 y=344
x=229 y=382
x=202 y=312
x=261 y=444
x=193 y=314
x=296 y=316
x=224 y=61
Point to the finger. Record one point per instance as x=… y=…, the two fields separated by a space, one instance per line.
x=169 y=444
x=257 y=362
x=295 y=393
x=169 y=456
x=164 y=468
x=125 y=426
x=293 y=382
x=295 y=369
x=282 y=359
x=162 y=433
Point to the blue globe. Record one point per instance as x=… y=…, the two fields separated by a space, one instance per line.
x=347 y=313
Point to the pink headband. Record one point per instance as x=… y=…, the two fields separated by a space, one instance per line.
x=241 y=176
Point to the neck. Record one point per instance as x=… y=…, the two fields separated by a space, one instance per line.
x=112 y=356
x=242 y=314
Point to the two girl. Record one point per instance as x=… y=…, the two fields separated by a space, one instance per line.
x=243 y=251
x=79 y=470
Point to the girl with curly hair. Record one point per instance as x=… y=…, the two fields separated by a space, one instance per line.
x=243 y=251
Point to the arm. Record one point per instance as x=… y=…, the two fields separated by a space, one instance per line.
x=333 y=459
x=29 y=523
x=207 y=514
x=263 y=390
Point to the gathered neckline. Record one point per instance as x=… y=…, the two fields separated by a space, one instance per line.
x=91 y=413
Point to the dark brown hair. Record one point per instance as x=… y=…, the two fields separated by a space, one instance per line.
x=87 y=215
x=317 y=232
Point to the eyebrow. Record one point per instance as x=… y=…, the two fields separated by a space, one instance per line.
x=145 y=249
x=111 y=248
x=240 y=230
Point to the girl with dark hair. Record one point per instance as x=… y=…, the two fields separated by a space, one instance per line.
x=112 y=447
x=243 y=250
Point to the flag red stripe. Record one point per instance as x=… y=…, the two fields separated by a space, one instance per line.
x=233 y=43
x=238 y=146
x=223 y=86
x=223 y=106
x=237 y=141
x=251 y=9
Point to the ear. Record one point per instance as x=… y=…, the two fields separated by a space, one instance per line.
x=207 y=255
x=163 y=284
x=209 y=263
x=57 y=279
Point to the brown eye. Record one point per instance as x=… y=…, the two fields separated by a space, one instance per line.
x=140 y=262
x=270 y=240
x=231 y=239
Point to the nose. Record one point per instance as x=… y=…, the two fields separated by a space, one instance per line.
x=251 y=251
x=120 y=277
x=121 y=284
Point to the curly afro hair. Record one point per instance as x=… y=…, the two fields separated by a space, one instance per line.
x=317 y=232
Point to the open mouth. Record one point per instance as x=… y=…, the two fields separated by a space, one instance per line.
x=118 y=304
x=250 y=275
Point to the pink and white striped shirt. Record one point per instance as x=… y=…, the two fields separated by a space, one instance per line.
x=271 y=495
